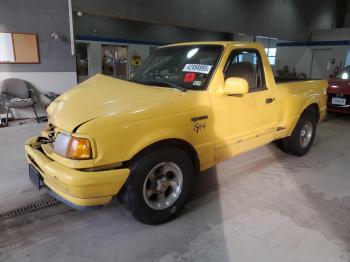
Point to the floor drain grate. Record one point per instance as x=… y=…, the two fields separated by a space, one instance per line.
x=27 y=209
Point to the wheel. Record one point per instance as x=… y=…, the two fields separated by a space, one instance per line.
x=159 y=185
x=303 y=135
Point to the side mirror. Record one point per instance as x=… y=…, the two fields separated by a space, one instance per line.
x=236 y=86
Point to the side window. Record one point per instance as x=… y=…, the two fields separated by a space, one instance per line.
x=246 y=64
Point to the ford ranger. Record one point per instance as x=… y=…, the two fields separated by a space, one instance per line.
x=188 y=107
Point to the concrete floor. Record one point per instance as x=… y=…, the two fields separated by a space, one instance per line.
x=15 y=190
x=262 y=206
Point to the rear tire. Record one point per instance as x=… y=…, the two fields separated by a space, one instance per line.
x=303 y=135
x=159 y=185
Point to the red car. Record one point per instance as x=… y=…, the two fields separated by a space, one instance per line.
x=339 y=92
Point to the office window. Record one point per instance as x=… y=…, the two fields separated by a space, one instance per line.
x=271 y=54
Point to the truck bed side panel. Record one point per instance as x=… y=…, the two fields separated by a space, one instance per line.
x=295 y=97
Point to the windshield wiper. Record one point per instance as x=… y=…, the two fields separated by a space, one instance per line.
x=172 y=85
x=162 y=82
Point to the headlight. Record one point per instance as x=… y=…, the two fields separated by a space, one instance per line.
x=72 y=147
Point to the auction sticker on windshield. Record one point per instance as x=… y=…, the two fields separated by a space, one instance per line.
x=197 y=68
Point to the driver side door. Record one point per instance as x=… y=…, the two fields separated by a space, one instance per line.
x=246 y=121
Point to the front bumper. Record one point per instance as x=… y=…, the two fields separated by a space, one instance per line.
x=80 y=188
x=339 y=109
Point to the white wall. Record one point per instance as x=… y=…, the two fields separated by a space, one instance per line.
x=298 y=57
x=43 y=82
x=301 y=57
x=347 y=59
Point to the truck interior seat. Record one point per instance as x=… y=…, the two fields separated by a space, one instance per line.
x=244 y=70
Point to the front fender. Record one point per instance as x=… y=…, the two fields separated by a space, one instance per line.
x=120 y=142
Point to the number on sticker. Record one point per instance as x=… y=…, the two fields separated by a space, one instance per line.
x=197 y=68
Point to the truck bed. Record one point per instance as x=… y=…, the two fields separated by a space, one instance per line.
x=290 y=79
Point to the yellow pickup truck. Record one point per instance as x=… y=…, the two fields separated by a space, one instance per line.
x=188 y=107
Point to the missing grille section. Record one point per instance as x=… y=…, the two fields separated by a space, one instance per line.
x=31 y=208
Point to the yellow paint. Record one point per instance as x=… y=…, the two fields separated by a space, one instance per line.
x=236 y=86
x=122 y=118
x=78 y=187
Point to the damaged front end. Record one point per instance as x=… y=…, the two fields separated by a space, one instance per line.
x=72 y=181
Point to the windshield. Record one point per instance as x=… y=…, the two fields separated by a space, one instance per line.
x=182 y=67
x=344 y=74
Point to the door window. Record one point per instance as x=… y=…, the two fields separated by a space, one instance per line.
x=247 y=64
x=114 y=61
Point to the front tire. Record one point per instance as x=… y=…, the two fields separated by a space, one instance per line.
x=303 y=135
x=159 y=185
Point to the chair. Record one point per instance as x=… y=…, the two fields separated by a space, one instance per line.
x=16 y=93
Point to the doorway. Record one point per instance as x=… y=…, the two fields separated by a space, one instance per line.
x=82 y=61
x=115 y=61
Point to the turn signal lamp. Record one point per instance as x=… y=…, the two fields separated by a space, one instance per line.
x=78 y=148
x=72 y=147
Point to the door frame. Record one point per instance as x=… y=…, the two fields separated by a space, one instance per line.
x=114 y=46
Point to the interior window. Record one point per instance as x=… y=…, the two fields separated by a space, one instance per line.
x=246 y=64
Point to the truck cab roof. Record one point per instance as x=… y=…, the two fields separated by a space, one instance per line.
x=223 y=43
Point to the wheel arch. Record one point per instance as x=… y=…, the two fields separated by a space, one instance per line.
x=312 y=107
x=172 y=142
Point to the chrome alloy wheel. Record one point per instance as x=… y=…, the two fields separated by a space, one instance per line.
x=306 y=134
x=163 y=185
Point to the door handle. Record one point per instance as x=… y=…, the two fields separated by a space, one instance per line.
x=269 y=100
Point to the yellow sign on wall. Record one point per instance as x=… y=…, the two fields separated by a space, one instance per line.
x=136 y=60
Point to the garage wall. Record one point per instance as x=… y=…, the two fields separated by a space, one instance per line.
x=137 y=36
x=331 y=35
x=347 y=14
x=107 y=27
x=56 y=71
x=95 y=50
x=333 y=43
x=43 y=18
x=298 y=57
x=283 y=19
x=301 y=58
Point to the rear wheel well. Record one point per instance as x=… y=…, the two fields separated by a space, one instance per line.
x=313 y=108
x=179 y=143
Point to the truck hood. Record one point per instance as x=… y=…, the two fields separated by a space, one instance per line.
x=338 y=86
x=102 y=96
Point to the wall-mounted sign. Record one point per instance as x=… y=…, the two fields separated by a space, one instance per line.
x=136 y=60
x=19 y=48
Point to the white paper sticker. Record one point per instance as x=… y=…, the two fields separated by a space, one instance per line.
x=197 y=83
x=197 y=68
